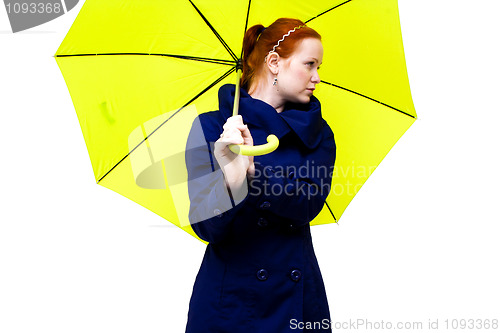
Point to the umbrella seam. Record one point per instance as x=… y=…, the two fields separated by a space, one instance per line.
x=201 y=59
x=331 y=212
x=219 y=37
x=246 y=23
x=326 y=11
x=372 y=99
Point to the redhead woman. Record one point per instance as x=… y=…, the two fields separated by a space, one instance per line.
x=259 y=272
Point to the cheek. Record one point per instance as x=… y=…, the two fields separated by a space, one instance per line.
x=303 y=75
x=298 y=77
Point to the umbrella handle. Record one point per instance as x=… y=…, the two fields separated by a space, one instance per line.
x=272 y=140
x=266 y=148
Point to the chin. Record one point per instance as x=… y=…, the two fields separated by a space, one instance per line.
x=305 y=100
x=300 y=99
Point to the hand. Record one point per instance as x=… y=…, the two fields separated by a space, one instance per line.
x=234 y=166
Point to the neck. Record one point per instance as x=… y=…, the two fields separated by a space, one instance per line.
x=267 y=93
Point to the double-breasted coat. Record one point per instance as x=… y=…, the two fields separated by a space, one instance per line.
x=259 y=272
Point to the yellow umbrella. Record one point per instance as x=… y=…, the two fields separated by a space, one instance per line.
x=139 y=72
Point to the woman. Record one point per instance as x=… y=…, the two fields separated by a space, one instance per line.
x=259 y=272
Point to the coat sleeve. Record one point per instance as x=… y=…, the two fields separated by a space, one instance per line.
x=298 y=198
x=212 y=208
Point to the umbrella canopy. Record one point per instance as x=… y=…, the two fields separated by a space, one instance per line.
x=139 y=72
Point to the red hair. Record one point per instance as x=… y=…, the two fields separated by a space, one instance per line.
x=258 y=41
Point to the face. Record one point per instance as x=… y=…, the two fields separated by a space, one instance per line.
x=298 y=74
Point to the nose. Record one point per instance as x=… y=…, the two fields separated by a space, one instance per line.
x=315 y=78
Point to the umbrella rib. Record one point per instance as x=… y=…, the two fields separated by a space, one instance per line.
x=331 y=212
x=246 y=23
x=228 y=49
x=210 y=60
x=372 y=99
x=326 y=11
x=192 y=100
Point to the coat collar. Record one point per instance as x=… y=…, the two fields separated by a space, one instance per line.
x=304 y=119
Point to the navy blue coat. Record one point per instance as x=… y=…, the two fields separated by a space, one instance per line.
x=259 y=272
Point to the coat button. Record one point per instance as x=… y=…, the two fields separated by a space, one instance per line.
x=265 y=205
x=217 y=212
x=262 y=274
x=295 y=275
x=262 y=222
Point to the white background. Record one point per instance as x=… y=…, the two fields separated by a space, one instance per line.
x=419 y=242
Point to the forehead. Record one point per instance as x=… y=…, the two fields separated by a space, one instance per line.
x=309 y=47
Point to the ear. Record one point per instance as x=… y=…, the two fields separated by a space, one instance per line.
x=272 y=61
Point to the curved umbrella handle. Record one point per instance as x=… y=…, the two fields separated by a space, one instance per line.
x=266 y=148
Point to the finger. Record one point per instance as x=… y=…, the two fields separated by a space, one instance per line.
x=234 y=138
x=245 y=133
x=237 y=119
x=232 y=132
x=231 y=124
x=233 y=121
x=243 y=129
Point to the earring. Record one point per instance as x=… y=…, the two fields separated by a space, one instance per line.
x=275 y=81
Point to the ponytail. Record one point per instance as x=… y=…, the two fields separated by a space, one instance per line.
x=249 y=41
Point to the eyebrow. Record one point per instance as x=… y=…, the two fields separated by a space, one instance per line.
x=316 y=60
